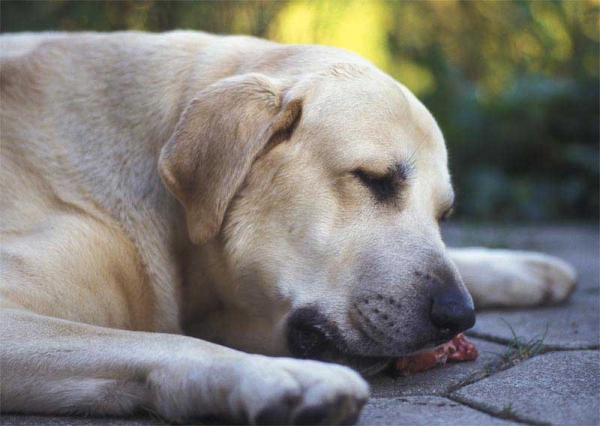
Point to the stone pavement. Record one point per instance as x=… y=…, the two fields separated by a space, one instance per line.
x=556 y=381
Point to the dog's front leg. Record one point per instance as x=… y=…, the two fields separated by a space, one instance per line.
x=510 y=278
x=52 y=366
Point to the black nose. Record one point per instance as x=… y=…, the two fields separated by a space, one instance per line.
x=452 y=313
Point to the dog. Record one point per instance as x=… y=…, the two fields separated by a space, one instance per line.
x=196 y=224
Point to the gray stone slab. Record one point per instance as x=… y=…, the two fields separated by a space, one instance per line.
x=440 y=380
x=23 y=420
x=574 y=325
x=556 y=388
x=423 y=410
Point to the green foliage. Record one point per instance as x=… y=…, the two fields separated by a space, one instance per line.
x=514 y=85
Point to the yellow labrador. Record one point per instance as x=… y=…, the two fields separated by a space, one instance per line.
x=271 y=201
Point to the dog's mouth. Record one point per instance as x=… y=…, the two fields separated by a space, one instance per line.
x=323 y=344
x=369 y=366
x=311 y=336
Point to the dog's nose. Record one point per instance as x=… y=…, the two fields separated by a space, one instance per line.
x=451 y=313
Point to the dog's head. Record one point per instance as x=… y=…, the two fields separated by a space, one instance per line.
x=316 y=205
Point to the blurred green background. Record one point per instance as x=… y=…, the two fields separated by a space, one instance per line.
x=514 y=85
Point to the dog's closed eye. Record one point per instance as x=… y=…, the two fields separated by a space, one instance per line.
x=447 y=213
x=383 y=187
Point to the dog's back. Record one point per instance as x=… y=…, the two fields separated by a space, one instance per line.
x=22 y=43
x=28 y=153
x=51 y=222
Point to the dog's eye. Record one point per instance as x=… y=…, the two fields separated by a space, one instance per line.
x=444 y=217
x=382 y=187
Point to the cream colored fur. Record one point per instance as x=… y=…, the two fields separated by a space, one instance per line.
x=156 y=184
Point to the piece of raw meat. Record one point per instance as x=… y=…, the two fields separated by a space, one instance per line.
x=456 y=350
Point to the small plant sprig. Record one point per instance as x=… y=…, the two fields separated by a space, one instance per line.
x=519 y=349
x=507 y=412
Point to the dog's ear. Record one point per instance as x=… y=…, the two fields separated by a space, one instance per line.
x=218 y=137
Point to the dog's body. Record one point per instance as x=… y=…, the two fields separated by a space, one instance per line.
x=101 y=275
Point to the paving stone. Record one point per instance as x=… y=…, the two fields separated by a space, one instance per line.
x=574 y=325
x=556 y=388
x=423 y=410
x=20 y=420
x=438 y=381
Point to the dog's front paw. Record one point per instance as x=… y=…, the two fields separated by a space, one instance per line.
x=259 y=390
x=508 y=278
x=290 y=391
x=552 y=280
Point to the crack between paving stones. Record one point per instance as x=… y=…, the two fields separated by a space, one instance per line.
x=494 y=367
x=492 y=413
x=490 y=369
x=548 y=348
x=487 y=371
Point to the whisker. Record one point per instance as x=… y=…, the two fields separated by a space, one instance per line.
x=411 y=163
